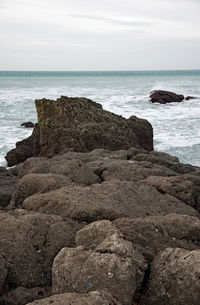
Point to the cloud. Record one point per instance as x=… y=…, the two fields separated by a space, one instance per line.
x=125 y=22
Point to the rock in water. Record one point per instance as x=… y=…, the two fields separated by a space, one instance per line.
x=164 y=97
x=81 y=125
x=28 y=124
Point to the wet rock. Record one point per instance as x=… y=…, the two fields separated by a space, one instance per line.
x=164 y=97
x=79 y=124
x=155 y=233
x=108 y=200
x=174 y=278
x=22 y=295
x=91 y=298
x=28 y=244
x=190 y=98
x=28 y=125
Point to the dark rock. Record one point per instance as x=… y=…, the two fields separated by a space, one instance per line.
x=28 y=124
x=92 y=298
x=81 y=125
x=164 y=97
x=190 y=98
x=155 y=233
x=22 y=295
x=6 y=189
x=28 y=244
x=174 y=278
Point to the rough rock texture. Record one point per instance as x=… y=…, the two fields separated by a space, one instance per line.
x=6 y=189
x=107 y=268
x=95 y=233
x=3 y=273
x=153 y=234
x=174 y=278
x=28 y=124
x=91 y=298
x=22 y=295
x=80 y=124
x=164 y=97
x=108 y=200
x=28 y=244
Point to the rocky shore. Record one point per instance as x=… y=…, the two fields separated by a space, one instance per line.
x=92 y=215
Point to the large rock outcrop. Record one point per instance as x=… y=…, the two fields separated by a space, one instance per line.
x=81 y=125
x=164 y=97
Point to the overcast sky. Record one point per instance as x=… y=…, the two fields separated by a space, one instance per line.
x=99 y=34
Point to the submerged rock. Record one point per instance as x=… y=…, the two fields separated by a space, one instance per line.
x=164 y=97
x=79 y=124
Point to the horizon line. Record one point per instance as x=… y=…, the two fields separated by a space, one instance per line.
x=143 y=70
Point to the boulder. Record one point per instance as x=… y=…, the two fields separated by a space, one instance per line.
x=164 y=97
x=174 y=278
x=108 y=200
x=80 y=270
x=28 y=244
x=81 y=125
x=28 y=125
x=155 y=233
x=22 y=295
x=91 y=298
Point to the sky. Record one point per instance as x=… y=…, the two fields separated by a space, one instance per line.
x=87 y=35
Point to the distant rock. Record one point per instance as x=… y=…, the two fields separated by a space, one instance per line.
x=79 y=124
x=190 y=98
x=28 y=124
x=164 y=97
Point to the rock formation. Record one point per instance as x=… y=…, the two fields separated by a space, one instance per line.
x=164 y=97
x=81 y=125
x=28 y=124
x=97 y=227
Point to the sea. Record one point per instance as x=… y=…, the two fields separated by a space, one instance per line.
x=176 y=126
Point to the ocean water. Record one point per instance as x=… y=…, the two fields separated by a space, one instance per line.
x=176 y=126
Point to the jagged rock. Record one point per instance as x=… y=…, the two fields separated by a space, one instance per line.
x=155 y=233
x=174 y=278
x=22 y=295
x=81 y=125
x=28 y=244
x=79 y=270
x=91 y=298
x=28 y=124
x=164 y=97
x=93 y=234
x=108 y=200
